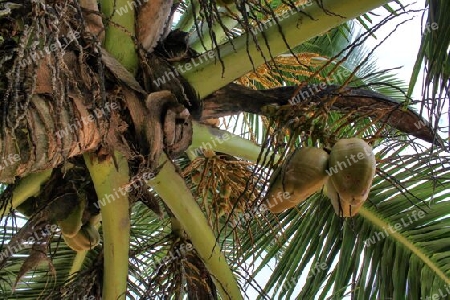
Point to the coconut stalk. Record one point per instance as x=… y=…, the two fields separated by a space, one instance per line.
x=108 y=177
x=177 y=196
x=206 y=43
x=77 y=263
x=209 y=138
x=119 y=32
x=105 y=176
x=27 y=187
x=297 y=28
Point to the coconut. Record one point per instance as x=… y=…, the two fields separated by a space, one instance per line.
x=303 y=174
x=352 y=167
x=341 y=208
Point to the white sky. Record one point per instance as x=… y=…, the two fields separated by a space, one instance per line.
x=401 y=48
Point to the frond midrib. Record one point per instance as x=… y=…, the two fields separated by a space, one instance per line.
x=402 y=240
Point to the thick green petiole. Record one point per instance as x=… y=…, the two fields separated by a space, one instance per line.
x=177 y=196
x=109 y=182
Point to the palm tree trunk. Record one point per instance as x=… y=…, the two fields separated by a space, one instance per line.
x=46 y=137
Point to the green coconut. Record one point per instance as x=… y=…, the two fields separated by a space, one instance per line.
x=341 y=208
x=352 y=167
x=303 y=174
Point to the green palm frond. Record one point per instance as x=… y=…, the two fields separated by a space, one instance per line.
x=42 y=281
x=434 y=54
x=397 y=246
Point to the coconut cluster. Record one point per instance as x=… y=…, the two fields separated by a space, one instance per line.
x=346 y=173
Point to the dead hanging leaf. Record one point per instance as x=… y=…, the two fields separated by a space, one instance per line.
x=38 y=255
x=234 y=98
x=153 y=19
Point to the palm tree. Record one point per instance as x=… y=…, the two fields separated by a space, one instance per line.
x=106 y=107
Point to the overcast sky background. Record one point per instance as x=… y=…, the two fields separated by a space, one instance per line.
x=400 y=50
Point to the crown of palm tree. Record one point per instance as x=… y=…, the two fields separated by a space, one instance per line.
x=140 y=140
